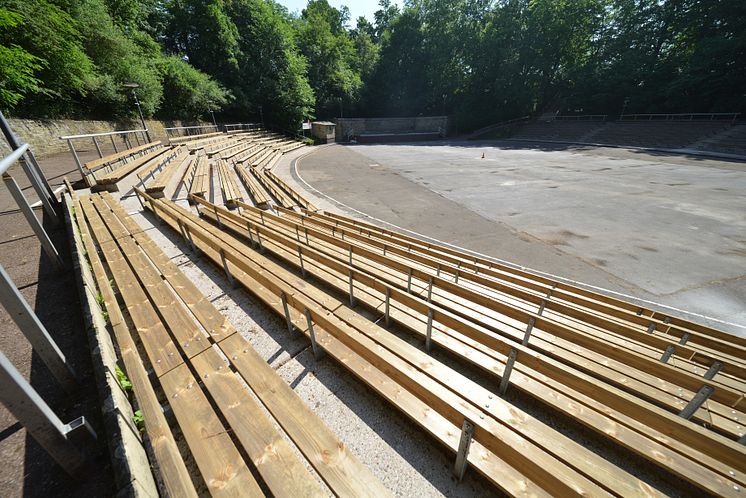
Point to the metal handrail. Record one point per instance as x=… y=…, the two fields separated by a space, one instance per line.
x=106 y=134
x=689 y=116
x=11 y=159
x=582 y=117
x=198 y=127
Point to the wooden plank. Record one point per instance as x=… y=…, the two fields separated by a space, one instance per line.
x=210 y=318
x=492 y=467
x=283 y=198
x=161 y=181
x=484 y=276
x=284 y=474
x=255 y=191
x=201 y=181
x=335 y=464
x=162 y=352
x=488 y=433
x=127 y=168
x=302 y=201
x=595 y=300
x=219 y=462
x=267 y=236
x=173 y=471
x=112 y=158
x=189 y=336
x=192 y=138
x=228 y=185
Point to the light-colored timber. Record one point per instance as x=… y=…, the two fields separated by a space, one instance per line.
x=653 y=448
x=356 y=332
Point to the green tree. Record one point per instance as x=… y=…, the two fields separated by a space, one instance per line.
x=331 y=55
x=17 y=66
x=51 y=36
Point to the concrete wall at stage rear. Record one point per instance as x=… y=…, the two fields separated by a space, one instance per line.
x=43 y=134
x=349 y=127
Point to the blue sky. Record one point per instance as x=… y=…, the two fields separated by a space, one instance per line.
x=357 y=7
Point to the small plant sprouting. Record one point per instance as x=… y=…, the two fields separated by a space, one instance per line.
x=124 y=382
x=139 y=421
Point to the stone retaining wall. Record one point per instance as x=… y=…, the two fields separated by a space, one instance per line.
x=43 y=134
x=349 y=127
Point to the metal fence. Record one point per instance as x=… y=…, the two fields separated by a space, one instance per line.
x=692 y=116
x=181 y=131
x=127 y=137
x=241 y=127
x=582 y=117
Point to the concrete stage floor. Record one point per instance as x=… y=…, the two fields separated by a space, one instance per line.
x=670 y=229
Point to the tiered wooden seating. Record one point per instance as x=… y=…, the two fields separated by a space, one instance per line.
x=665 y=439
x=228 y=185
x=518 y=453
x=123 y=156
x=225 y=146
x=259 y=160
x=279 y=194
x=194 y=352
x=201 y=180
x=153 y=167
x=158 y=185
x=112 y=177
x=299 y=199
x=256 y=150
x=252 y=187
x=191 y=138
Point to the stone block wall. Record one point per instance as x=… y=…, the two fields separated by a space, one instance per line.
x=347 y=127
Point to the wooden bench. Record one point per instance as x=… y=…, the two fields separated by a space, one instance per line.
x=190 y=138
x=181 y=332
x=110 y=179
x=299 y=199
x=201 y=180
x=124 y=155
x=671 y=442
x=252 y=187
x=513 y=450
x=228 y=185
x=158 y=185
x=255 y=151
x=279 y=194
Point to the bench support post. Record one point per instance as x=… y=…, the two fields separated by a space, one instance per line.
x=317 y=351
x=702 y=395
x=505 y=380
x=467 y=431
x=33 y=221
x=387 y=305
x=286 y=309
x=429 y=332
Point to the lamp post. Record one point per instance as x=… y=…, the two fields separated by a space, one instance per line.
x=261 y=113
x=212 y=113
x=133 y=86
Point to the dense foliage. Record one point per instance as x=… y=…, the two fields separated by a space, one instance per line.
x=480 y=61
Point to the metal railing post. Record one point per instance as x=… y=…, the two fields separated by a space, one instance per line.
x=46 y=243
x=44 y=198
x=61 y=441
x=42 y=343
